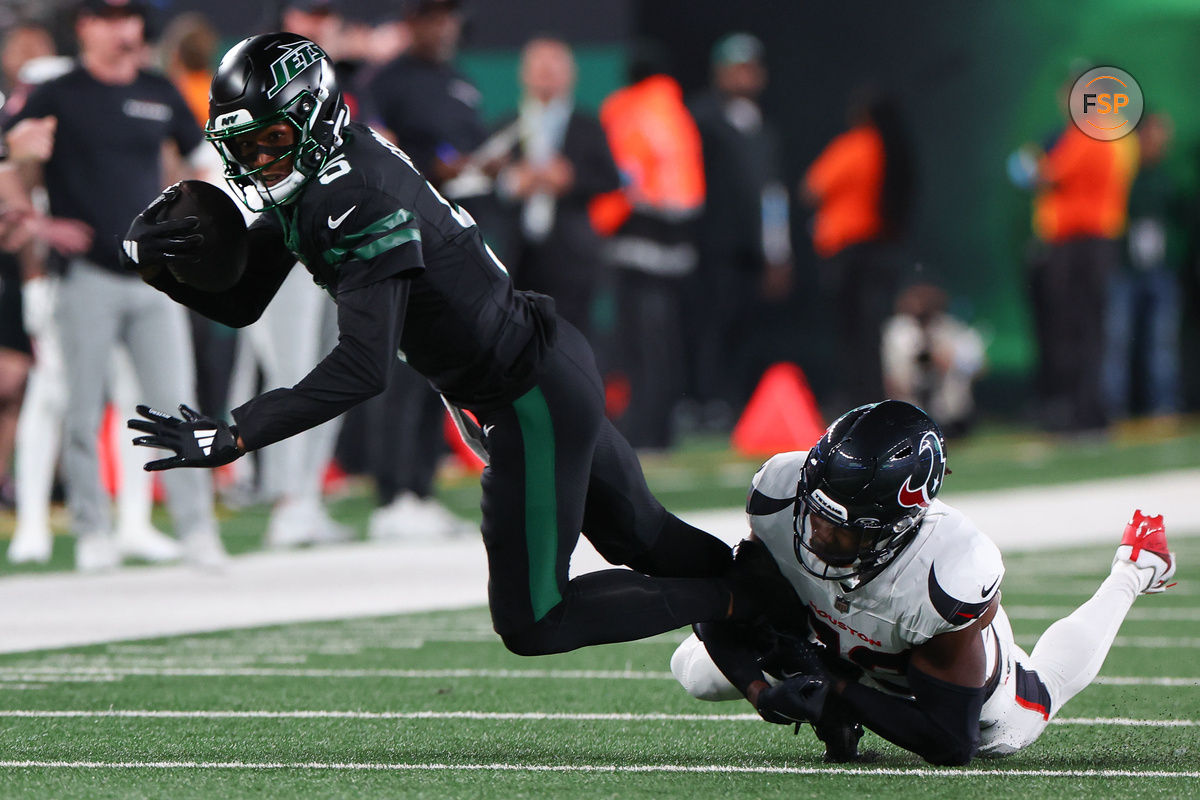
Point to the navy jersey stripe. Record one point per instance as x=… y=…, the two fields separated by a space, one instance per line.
x=761 y=505
x=1032 y=693
x=956 y=612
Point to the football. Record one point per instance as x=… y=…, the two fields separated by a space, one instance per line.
x=223 y=254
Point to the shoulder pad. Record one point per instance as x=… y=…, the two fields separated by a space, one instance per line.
x=964 y=579
x=773 y=487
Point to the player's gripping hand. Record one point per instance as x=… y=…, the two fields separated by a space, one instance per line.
x=800 y=698
x=154 y=242
x=198 y=441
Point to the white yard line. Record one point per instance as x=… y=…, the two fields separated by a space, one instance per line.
x=1139 y=613
x=487 y=716
x=109 y=673
x=952 y=772
x=374 y=579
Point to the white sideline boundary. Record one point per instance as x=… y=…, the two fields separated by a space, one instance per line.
x=372 y=579
x=950 y=772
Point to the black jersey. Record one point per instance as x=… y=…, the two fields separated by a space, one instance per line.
x=465 y=329
x=409 y=271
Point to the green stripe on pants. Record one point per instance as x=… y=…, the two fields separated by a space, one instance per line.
x=541 y=506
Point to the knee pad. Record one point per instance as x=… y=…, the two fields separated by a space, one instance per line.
x=696 y=673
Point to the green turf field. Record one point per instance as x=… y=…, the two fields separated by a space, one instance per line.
x=431 y=705
x=703 y=473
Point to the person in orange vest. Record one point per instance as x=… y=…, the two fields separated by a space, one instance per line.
x=861 y=188
x=1080 y=212
x=656 y=146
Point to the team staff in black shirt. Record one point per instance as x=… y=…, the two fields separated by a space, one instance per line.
x=411 y=274
x=113 y=120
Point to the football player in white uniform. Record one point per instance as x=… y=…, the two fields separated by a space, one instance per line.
x=888 y=608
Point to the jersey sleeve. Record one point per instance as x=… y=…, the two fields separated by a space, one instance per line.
x=773 y=491
x=773 y=487
x=368 y=236
x=960 y=583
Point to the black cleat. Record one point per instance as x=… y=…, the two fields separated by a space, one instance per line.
x=840 y=732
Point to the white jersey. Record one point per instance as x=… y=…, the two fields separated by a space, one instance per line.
x=943 y=579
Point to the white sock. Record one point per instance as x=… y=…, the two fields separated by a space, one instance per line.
x=1071 y=651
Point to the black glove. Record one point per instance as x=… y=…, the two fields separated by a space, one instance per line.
x=785 y=655
x=798 y=699
x=197 y=440
x=154 y=242
x=759 y=588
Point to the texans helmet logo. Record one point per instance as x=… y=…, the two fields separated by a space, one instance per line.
x=911 y=496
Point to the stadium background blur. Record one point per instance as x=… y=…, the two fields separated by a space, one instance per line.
x=974 y=82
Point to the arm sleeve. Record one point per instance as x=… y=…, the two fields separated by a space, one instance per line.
x=940 y=723
x=731 y=646
x=268 y=262
x=369 y=322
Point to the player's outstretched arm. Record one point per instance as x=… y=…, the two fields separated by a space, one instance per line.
x=370 y=319
x=946 y=676
x=196 y=440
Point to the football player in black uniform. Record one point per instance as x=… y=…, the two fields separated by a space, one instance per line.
x=412 y=277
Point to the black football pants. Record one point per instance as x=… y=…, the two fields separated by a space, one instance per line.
x=558 y=467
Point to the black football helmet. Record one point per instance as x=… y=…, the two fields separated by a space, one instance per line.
x=263 y=80
x=864 y=489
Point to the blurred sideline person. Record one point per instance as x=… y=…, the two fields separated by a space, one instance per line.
x=187 y=48
x=744 y=242
x=323 y=22
x=432 y=111
x=861 y=187
x=113 y=120
x=293 y=333
x=560 y=162
x=931 y=359
x=413 y=277
x=651 y=221
x=30 y=61
x=1144 y=317
x=28 y=58
x=887 y=609
x=1080 y=212
x=22 y=43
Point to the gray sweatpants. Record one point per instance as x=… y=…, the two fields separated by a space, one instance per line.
x=98 y=310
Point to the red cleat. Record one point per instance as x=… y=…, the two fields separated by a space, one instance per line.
x=1145 y=546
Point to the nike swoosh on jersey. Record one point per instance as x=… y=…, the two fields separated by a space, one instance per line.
x=333 y=223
